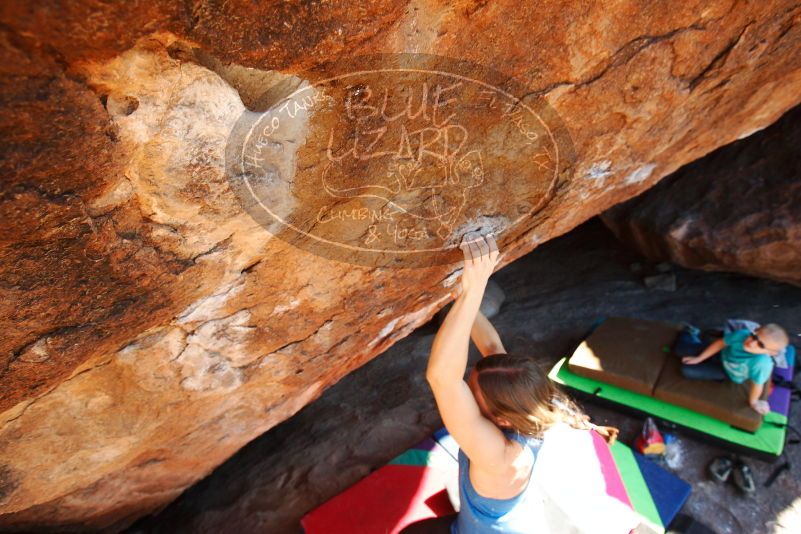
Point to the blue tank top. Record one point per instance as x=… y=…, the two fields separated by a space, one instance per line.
x=480 y=515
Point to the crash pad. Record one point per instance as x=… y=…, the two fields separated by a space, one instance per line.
x=636 y=355
x=413 y=487
x=766 y=443
x=628 y=353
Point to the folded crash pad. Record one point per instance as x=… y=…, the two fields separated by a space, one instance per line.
x=628 y=353
x=636 y=355
x=722 y=400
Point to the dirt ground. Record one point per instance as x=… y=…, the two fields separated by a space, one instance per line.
x=554 y=295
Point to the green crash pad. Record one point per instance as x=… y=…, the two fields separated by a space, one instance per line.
x=767 y=442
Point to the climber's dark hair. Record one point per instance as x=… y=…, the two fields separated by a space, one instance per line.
x=516 y=389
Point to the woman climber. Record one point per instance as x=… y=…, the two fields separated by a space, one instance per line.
x=497 y=417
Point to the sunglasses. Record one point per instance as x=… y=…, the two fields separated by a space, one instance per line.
x=760 y=343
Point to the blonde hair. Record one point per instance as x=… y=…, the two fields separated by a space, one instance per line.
x=776 y=334
x=518 y=390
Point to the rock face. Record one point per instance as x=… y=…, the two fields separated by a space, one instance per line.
x=737 y=209
x=152 y=327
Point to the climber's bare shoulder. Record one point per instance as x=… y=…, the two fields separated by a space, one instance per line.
x=481 y=441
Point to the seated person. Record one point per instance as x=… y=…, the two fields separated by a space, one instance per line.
x=744 y=355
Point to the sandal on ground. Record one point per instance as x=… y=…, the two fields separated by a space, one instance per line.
x=720 y=468
x=744 y=479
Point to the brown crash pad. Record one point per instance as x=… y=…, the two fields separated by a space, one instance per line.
x=628 y=353
x=726 y=401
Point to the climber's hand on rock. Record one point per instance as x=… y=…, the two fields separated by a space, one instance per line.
x=480 y=258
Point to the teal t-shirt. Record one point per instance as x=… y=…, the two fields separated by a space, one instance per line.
x=740 y=364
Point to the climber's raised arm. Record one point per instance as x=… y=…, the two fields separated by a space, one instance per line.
x=477 y=436
x=448 y=359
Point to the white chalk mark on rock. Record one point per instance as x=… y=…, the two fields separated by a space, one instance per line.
x=640 y=175
x=599 y=171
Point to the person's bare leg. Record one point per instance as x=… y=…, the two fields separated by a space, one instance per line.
x=486 y=337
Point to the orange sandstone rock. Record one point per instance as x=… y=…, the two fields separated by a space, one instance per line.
x=151 y=326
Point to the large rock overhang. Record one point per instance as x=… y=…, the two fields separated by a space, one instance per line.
x=152 y=326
